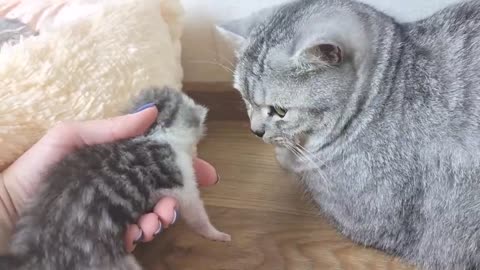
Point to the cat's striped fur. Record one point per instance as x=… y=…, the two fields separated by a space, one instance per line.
x=380 y=119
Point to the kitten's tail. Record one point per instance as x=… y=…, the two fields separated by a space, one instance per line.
x=10 y=262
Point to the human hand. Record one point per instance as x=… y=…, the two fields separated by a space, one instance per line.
x=19 y=181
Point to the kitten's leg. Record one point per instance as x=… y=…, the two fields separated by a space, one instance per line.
x=193 y=212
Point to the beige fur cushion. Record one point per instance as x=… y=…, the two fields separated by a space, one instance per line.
x=88 y=69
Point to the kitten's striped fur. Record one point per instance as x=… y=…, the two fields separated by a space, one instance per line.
x=79 y=218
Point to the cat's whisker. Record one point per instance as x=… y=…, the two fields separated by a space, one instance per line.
x=304 y=156
x=297 y=152
x=307 y=157
x=227 y=61
x=294 y=151
x=212 y=63
x=223 y=58
x=308 y=153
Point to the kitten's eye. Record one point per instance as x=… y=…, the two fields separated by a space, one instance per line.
x=278 y=111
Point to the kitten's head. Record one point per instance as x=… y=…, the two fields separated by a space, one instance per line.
x=296 y=66
x=179 y=119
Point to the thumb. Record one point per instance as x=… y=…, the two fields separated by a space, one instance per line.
x=116 y=128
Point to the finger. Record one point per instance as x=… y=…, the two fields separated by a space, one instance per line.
x=132 y=237
x=116 y=128
x=150 y=225
x=165 y=209
x=206 y=173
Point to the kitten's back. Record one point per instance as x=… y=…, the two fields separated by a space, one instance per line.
x=88 y=201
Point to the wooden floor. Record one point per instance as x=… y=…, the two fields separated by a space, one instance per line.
x=273 y=225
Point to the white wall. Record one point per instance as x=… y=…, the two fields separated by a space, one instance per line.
x=202 y=46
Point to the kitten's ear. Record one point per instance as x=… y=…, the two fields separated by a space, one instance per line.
x=322 y=53
x=237 y=31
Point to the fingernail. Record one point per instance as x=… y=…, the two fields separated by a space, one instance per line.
x=174 y=217
x=139 y=238
x=144 y=107
x=159 y=229
x=218 y=179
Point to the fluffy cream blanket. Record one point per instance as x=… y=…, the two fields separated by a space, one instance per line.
x=89 y=68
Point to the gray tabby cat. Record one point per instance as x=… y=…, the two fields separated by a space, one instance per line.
x=381 y=120
x=79 y=218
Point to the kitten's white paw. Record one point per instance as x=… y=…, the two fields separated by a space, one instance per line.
x=220 y=236
x=224 y=237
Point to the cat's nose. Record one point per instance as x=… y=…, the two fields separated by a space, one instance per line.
x=258 y=133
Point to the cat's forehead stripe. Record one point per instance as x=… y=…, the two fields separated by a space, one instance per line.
x=254 y=59
x=169 y=108
x=246 y=87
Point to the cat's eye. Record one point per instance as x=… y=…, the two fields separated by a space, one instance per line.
x=278 y=111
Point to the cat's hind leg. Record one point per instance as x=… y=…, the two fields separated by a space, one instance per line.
x=191 y=205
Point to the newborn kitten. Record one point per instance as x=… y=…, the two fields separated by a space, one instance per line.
x=381 y=120
x=79 y=218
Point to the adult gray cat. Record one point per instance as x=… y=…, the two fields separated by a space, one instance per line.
x=79 y=218
x=381 y=120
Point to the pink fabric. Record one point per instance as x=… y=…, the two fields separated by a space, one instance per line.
x=31 y=12
x=39 y=14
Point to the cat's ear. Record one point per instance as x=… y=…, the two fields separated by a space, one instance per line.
x=330 y=40
x=237 y=31
x=321 y=52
